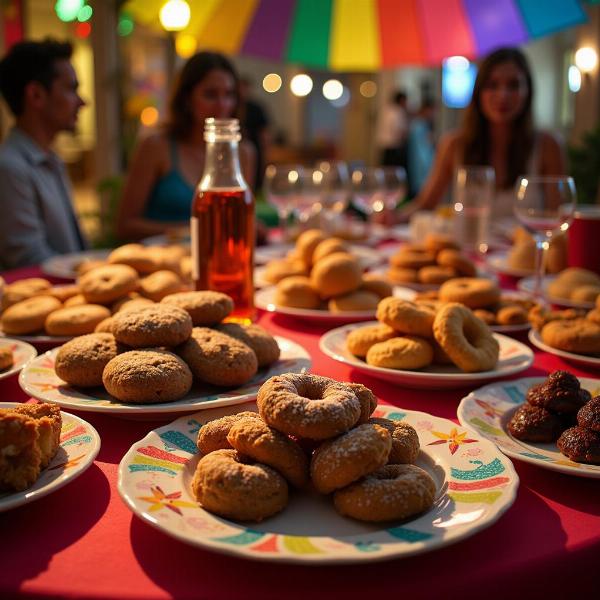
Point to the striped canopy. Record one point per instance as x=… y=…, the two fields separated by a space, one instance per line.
x=366 y=35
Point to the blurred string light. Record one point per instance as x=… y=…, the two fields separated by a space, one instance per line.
x=574 y=78
x=586 y=59
x=368 y=89
x=85 y=13
x=174 y=15
x=149 y=116
x=333 y=89
x=83 y=30
x=272 y=83
x=185 y=45
x=125 y=25
x=301 y=85
x=343 y=99
x=67 y=10
x=458 y=79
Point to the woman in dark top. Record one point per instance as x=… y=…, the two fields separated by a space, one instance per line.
x=167 y=164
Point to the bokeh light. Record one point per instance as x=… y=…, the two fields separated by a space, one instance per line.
x=185 y=45
x=368 y=89
x=85 y=13
x=67 y=10
x=272 y=83
x=125 y=25
x=301 y=85
x=174 y=15
x=333 y=89
x=149 y=116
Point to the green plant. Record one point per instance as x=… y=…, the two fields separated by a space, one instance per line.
x=584 y=166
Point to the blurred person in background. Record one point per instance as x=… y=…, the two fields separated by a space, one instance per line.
x=40 y=87
x=497 y=130
x=420 y=146
x=255 y=125
x=167 y=164
x=391 y=131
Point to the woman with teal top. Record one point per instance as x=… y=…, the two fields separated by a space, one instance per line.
x=167 y=164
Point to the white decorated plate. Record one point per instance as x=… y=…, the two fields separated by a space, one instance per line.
x=65 y=265
x=265 y=300
x=22 y=354
x=580 y=359
x=476 y=484
x=79 y=446
x=514 y=358
x=38 y=379
x=528 y=283
x=489 y=409
x=498 y=261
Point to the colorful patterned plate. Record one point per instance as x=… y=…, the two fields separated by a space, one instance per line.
x=489 y=409
x=40 y=381
x=475 y=483
x=79 y=446
x=514 y=358
x=581 y=359
x=22 y=354
x=65 y=265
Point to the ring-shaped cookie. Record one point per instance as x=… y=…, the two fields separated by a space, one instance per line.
x=474 y=292
x=308 y=406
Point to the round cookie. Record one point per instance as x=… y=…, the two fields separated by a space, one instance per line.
x=6 y=358
x=580 y=336
x=81 y=361
x=105 y=326
x=254 y=438
x=377 y=285
x=435 y=274
x=511 y=315
x=438 y=242
x=28 y=316
x=131 y=301
x=277 y=270
x=359 y=300
x=204 y=307
x=405 y=441
x=156 y=325
x=361 y=339
x=160 y=284
x=406 y=317
x=337 y=463
x=234 y=487
x=61 y=292
x=403 y=275
x=336 y=274
x=392 y=493
x=585 y=293
x=217 y=358
x=107 y=284
x=297 y=292
x=327 y=247
x=263 y=344
x=457 y=261
x=306 y=244
x=407 y=352
x=76 y=320
x=147 y=376
x=76 y=300
x=23 y=289
x=213 y=435
x=135 y=256
x=412 y=257
x=474 y=292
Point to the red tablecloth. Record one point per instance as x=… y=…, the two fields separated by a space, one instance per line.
x=82 y=541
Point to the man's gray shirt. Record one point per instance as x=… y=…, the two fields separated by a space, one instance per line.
x=36 y=214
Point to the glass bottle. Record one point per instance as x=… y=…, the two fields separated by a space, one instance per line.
x=222 y=222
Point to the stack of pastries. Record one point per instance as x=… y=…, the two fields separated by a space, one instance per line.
x=311 y=432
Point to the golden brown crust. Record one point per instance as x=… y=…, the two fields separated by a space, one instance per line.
x=406 y=317
x=263 y=344
x=107 y=284
x=280 y=269
x=436 y=274
x=405 y=441
x=474 y=292
x=76 y=320
x=297 y=292
x=336 y=274
x=7 y=359
x=406 y=352
x=376 y=284
x=458 y=261
x=213 y=435
x=361 y=339
x=403 y=275
x=511 y=315
x=28 y=316
x=204 y=307
x=359 y=300
x=160 y=284
x=412 y=258
x=580 y=336
x=306 y=244
x=327 y=247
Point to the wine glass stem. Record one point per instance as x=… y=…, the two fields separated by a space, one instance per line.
x=541 y=245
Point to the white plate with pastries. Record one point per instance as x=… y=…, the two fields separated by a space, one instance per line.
x=488 y=410
x=79 y=446
x=65 y=265
x=528 y=285
x=22 y=353
x=514 y=358
x=498 y=261
x=39 y=379
x=265 y=300
x=474 y=487
x=581 y=359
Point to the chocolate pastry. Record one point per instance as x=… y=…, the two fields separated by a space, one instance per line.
x=580 y=445
x=560 y=393
x=535 y=424
x=589 y=415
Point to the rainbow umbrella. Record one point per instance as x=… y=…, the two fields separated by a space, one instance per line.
x=367 y=35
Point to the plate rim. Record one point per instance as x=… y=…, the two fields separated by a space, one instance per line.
x=419 y=375
x=25 y=498
x=132 y=410
x=536 y=339
x=14 y=370
x=329 y=559
x=552 y=466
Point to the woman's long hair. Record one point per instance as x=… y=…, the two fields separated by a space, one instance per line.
x=475 y=136
x=180 y=121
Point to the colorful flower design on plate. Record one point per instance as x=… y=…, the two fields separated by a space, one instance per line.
x=473 y=491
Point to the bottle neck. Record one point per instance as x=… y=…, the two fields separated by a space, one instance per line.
x=222 y=166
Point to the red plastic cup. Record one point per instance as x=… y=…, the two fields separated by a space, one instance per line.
x=584 y=238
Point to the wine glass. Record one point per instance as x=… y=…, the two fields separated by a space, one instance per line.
x=334 y=189
x=368 y=191
x=394 y=187
x=283 y=185
x=545 y=207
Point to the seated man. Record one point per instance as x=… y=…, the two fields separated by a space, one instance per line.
x=37 y=219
